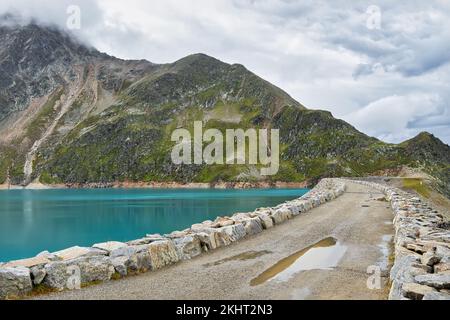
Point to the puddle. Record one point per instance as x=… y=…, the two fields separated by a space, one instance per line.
x=385 y=250
x=248 y=255
x=323 y=255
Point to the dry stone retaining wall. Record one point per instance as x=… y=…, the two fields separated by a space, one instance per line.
x=77 y=266
x=421 y=270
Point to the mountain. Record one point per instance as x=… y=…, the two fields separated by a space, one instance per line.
x=70 y=114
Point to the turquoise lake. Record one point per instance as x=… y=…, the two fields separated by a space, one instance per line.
x=35 y=220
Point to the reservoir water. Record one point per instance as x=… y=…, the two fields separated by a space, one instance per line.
x=35 y=220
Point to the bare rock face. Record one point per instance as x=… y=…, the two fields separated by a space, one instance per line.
x=14 y=281
x=34 y=62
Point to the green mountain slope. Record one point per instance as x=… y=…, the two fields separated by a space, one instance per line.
x=106 y=120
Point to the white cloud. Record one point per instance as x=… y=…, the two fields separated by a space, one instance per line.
x=391 y=82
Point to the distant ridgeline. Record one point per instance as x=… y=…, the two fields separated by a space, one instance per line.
x=70 y=114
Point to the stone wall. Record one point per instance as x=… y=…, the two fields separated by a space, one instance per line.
x=78 y=266
x=421 y=270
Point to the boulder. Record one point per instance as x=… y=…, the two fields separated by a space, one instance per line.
x=400 y=274
x=235 y=232
x=435 y=280
x=222 y=222
x=56 y=275
x=266 y=220
x=162 y=253
x=207 y=240
x=416 y=291
x=293 y=208
x=97 y=268
x=48 y=255
x=14 y=282
x=430 y=258
x=38 y=274
x=120 y=265
x=188 y=247
x=137 y=257
x=77 y=252
x=31 y=262
x=442 y=267
x=280 y=215
x=252 y=226
x=436 y=296
x=149 y=238
x=176 y=234
x=90 y=268
x=443 y=252
x=109 y=246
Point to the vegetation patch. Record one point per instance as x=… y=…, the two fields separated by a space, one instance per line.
x=417 y=185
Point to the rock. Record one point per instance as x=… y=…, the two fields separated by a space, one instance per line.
x=98 y=268
x=48 y=255
x=293 y=208
x=207 y=240
x=176 y=234
x=137 y=257
x=416 y=291
x=252 y=226
x=188 y=247
x=266 y=220
x=147 y=239
x=38 y=274
x=141 y=260
x=436 y=296
x=235 y=232
x=436 y=280
x=281 y=215
x=109 y=246
x=31 y=262
x=56 y=275
x=162 y=253
x=416 y=248
x=430 y=259
x=139 y=242
x=400 y=274
x=223 y=222
x=443 y=252
x=120 y=265
x=442 y=267
x=14 y=282
x=82 y=270
x=76 y=252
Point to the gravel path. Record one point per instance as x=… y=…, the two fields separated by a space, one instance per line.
x=358 y=220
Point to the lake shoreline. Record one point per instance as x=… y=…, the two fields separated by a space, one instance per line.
x=162 y=185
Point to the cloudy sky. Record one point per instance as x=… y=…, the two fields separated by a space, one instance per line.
x=383 y=66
